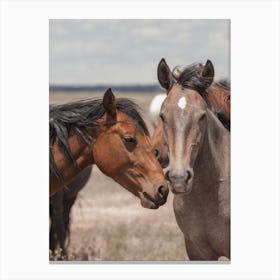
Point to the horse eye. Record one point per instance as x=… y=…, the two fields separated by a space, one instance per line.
x=129 y=139
x=162 y=117
x=130 y=143
x=202 y=117
x=156 y=151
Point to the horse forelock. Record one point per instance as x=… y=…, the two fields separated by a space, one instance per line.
x=190 y=76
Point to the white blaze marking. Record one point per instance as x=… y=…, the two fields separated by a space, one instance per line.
x=182 y=102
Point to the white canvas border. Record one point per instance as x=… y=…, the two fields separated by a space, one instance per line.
x=255 y=138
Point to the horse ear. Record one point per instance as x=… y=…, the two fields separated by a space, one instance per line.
x=109 y=103
x=164 y=75
x=207 y=74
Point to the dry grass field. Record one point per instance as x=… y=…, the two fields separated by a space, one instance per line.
x=109 y=223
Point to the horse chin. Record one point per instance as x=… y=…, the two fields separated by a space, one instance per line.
x=148 y=202
x=181 y=189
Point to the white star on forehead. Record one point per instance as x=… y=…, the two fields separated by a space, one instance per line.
x=182 y=103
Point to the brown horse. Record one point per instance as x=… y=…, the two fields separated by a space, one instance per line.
x=217 y=97
x=199 y=168
x=160 y=146
x=60 y=208
x=111 y=134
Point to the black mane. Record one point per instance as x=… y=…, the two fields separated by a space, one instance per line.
x=190 y=77
x=79 y=117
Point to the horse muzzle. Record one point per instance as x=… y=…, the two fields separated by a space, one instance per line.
x=154 y=201
x=180 y=183
x=164 y=161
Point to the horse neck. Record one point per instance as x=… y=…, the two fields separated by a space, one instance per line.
x=82 y=154
x=212 y=166
x=215 y=149
x=216 y=97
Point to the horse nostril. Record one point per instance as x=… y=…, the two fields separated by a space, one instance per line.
x=156 y=152
x=189 y=176
x=161 y=191
x=166 y=176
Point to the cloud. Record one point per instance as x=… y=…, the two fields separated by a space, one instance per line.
x=127 y=51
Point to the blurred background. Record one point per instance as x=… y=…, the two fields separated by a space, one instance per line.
x=85 y=58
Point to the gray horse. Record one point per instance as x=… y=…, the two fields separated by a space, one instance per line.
x=199 y=162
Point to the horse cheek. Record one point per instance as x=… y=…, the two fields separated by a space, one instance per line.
x=109 y=156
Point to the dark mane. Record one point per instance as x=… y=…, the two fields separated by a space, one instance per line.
x=78 y=117
x=190 y=77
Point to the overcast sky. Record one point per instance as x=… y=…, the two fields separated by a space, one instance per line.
x=118 y=52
